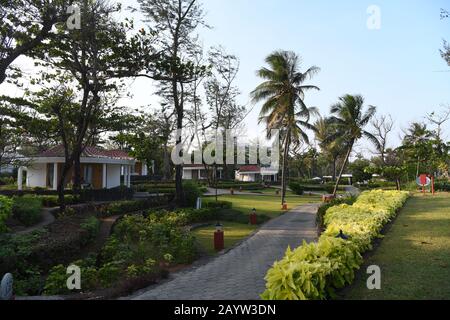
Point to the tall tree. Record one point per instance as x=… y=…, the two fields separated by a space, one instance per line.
x=24 y=24
x=175 y=22
x=350 y=119
x=329 y=141
x=82 y=67
x=383 y=126
x=283 y=94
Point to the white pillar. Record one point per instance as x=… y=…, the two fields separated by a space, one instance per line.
x=129 y=177
x=125 y=168
x=55 y=176
x=105 y=172
x=19 y=178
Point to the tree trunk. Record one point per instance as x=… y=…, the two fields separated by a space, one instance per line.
x=77 y=175
x=343 y=168
x=61 y=184
x=398 y=184
x=334 y=168
x=283 y=175
x=179 y=195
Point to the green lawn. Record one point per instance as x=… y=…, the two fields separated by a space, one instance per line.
x=233 y=232
x=414 y=256
x=269 y=205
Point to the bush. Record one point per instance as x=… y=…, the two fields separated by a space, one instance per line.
x=52 y=201
x=91 y=226
x=191 y=193
x=5 y=212
x=442 y=186
x=239 y=185
x=138 y=247
x=314 y=271
x=131 y=206
x=218 y=204
x=27 y=209
x=323 y=208
x=296 y=188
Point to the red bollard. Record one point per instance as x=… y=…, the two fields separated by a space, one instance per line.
x=285 y=206
x=253 y=220
x=219 y=243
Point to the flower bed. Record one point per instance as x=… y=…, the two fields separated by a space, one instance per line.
x=139 y=250
x=314 y=271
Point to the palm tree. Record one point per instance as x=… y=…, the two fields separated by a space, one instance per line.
x=283 y=93
x=330 y=142
x=416 y=139
x=350 y=119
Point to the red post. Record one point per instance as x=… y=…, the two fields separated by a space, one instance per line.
x=285 y=206
x=253 y=219
x=219 y=244
x=432 y=185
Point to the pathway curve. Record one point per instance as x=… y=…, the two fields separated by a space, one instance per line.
x=239 y=273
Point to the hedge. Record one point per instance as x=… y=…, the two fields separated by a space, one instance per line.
x=316 y=270
x=27 y=209
x=131 y=206
x=5 y=212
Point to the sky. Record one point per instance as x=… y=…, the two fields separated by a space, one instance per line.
x=397 y=68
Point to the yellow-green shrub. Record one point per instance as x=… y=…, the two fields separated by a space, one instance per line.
x=314 y=271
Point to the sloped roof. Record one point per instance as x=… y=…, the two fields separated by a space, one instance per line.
x=250 y=168
x=89 y=152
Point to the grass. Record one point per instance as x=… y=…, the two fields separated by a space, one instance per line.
x=414 y=256
x=269 y=205
x=233 y=232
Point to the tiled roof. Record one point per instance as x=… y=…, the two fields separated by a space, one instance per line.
x=250 y=168
x=89 y=152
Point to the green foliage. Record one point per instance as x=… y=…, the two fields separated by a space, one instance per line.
x=323 y=208
x=218 y=204
x=131 y=206
x=5 y=212
x=314 y=271
x=238 y=185
x=27 y=209
x=296 y=188
x=91 y=226
x=443 y=185
x=52 y=201
x=139 y=247
x=191 y=193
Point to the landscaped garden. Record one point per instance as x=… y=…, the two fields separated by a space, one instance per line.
x=414 y=255
x=317 y=270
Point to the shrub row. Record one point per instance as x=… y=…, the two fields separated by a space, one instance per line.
x=314 y=271
x=131 y=206
x=239 y=185
x=442 y=186
x=29 y=256
x=27 y=209
x=335 y=202
x=5 y=212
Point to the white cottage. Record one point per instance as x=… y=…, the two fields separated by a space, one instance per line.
x=100 y=168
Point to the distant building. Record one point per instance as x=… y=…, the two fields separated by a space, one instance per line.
x=100 y=168
x=198 y=172
x=255 y=173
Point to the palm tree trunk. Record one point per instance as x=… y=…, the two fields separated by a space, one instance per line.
x=283 y=175
x=343 y=168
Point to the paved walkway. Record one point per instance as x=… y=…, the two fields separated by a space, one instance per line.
x=239 y=274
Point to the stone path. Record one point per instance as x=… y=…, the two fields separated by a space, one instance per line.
x=47 y=218
x=239 y=273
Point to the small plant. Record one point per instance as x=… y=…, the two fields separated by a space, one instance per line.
x=5 y=212
x=296 y=188
x=27 y=209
